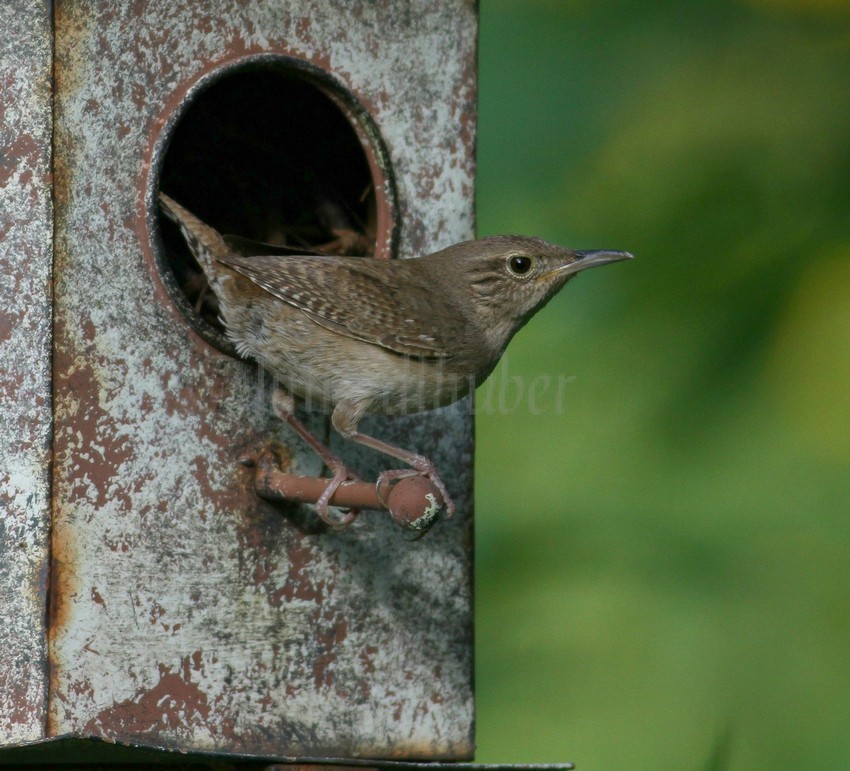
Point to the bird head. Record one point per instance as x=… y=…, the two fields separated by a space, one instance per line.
x=512 y=277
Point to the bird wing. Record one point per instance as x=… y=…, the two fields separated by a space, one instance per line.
x=383 y=303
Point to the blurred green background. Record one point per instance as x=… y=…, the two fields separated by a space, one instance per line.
x=663 y=547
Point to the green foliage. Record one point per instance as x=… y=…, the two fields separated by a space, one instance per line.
x=664 y=552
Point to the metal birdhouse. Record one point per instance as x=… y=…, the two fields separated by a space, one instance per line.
x=149 y=596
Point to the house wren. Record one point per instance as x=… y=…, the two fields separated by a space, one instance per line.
x=353 y=335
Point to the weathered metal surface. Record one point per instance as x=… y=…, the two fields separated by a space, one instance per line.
x=88 y=754
x=187 y=613
x=25 y=263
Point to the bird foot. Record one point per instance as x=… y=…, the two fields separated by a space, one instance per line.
x=341 y=474
x=386 y=478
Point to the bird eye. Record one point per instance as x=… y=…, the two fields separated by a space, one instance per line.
x=519 y=264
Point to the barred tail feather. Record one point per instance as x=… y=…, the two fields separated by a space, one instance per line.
x=204 y=242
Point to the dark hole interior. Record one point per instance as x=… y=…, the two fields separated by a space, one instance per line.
x=265 y=154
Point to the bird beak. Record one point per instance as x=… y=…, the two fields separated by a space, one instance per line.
x=595 y=257
x=591 y=259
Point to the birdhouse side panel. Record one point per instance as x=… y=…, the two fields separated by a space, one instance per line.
x=25 y=334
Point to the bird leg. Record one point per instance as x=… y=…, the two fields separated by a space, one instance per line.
x=284 y=407
x=345 y=418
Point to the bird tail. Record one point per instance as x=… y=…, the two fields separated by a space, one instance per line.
x=205 y=243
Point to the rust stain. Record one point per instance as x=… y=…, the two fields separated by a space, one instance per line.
x=328 y=644
x=63 y=589
x=175 y=702
x=94 y=463
x=23 y=152
x=9 y=321
x=19 y=709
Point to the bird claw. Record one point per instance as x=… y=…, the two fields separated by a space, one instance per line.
x=341 y=475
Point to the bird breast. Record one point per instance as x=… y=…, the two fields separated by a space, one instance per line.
x=323 y=367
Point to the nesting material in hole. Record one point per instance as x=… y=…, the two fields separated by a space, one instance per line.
x=265 y=153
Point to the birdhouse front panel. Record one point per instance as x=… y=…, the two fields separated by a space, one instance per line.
x=188 y=612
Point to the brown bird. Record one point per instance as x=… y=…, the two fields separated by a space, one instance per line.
x=353 y=335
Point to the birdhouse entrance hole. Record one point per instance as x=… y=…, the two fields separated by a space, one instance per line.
x=278 y=152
